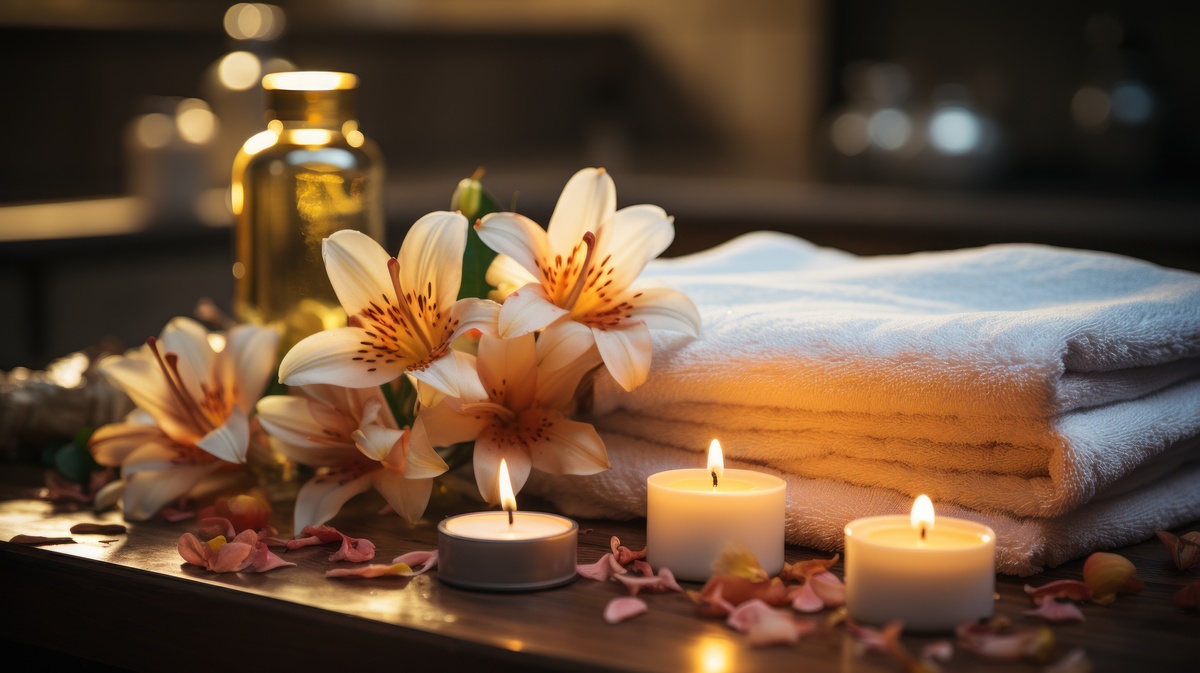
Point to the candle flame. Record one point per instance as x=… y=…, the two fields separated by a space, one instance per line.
x=507 y=499
x=922 y=514
x=716 y=461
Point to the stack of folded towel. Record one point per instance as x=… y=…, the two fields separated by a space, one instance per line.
x=1053 y=394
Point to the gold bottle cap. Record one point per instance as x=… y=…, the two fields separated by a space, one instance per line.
x=312 y=97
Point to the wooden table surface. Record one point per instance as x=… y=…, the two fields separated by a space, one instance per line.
x=130 y=601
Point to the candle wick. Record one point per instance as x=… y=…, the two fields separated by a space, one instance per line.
x=510 y=521
x=714 y=476
x=922 y=529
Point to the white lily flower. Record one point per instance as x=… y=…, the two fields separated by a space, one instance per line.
x=403 y=313
x=582 y=270
x=521 y=419
x=193 y=405
x=352 y=438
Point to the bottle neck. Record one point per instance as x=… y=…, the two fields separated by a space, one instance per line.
x=328 y=110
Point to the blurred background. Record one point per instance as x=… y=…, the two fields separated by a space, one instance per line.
x=874 y=126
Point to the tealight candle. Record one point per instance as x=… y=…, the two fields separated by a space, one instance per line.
x=933 y=577
x=507 y=550
x=693 y=514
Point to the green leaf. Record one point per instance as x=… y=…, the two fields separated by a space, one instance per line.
x=401 y=398
x=474 y=203
x=75 y=462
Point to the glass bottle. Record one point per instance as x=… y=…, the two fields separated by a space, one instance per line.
x=311 y=173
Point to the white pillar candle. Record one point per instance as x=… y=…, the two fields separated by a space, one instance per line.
x=933 y=574
x=508 y=550
x=690 y=519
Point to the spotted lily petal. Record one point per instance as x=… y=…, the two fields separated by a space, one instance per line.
x=567 y=447
x=488 y=452
x=454 y=375
x=520 y=241
x=333 y=357
x=665 y=309
x=358 y=270
x=188 y=340
x=431 y=259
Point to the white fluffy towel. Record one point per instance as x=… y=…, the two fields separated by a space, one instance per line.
x=1014 y=381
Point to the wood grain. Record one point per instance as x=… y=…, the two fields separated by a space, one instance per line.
x=133 y=603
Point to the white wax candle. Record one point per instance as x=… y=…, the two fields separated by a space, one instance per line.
x=495 y=526
x=689 y=522
x=932 y=583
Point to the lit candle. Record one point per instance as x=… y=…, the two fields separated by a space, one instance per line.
x=507 y=550
x=691 y=515
x=933 y=575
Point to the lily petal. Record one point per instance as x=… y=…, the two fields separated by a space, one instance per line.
x=508 y=370
x=431 y=258
x=478 y=314
x=249 y=360
x=112 y=443
x=442 y=426
x=527 y=310
x=139 y=377
x=519 y=240
x=329 y=357
x=453 y=374
x=506 y=275
x=665 y=309
x=567 y=447
x=377 y=442
x=322 y=497
x=626 y=352
x=358 y=269
x=152 y=456
x=288 y=419
x=638 y=234
x=231 y=440
x=558 y=376
x=588 y=202
x=188 y=340
x=408 y=497
x=489 y=451
x=147 y=492
x=421 y=461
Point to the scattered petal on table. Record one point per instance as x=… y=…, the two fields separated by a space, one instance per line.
x=1110 y=574
x=624 y=607
x=98 y=529
x=663 y=582
x=1072 y=589
x=602 y=569
x=39 y=541
x=1056 y=612
x=1184 y=549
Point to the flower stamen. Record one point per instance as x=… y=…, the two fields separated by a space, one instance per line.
x=170 y=369
x=589 y=239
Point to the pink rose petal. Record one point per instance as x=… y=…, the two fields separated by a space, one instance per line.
x=232 y=557
x=641 y=567
x=1056 y=612
x=661 y=583
x=804 y=599
x=746 y=615
x=829 y=588
x=602 y=569
x=354 y=549
x=264 y=559
x=373 y=570
x=868 y=639
x=624 y=607
x=426 y=560
x=624 y=555
x=192 y=550
x=1072 y=589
